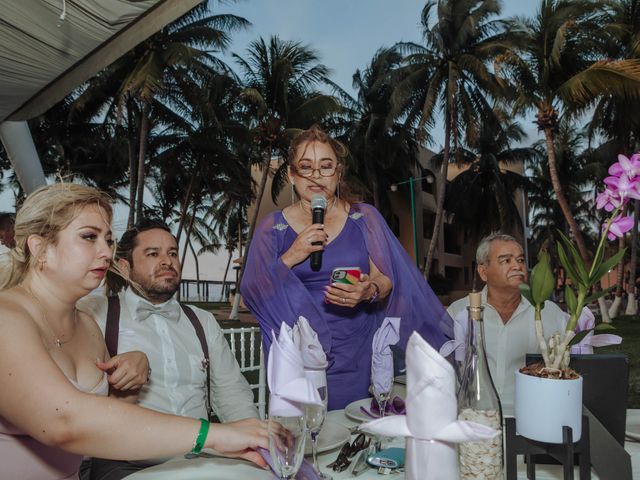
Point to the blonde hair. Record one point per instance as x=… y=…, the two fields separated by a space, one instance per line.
x=46 y=212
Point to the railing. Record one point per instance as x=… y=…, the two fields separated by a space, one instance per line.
x=251 y=360
x=205 y=290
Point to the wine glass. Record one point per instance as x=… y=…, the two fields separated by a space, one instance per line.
x=314 y=416
x=381 y=389
x=382 y=392
x=286 y=444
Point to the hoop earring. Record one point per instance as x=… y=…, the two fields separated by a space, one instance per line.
x=338 y=192
x=293 y=194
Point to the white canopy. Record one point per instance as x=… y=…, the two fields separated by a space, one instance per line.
x=49 y=47
x=43 y=58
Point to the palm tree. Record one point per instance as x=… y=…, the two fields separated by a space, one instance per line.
x=382 y=150
x=449 y=75
x=228 y=214
x=482 y=197
x=579 y=168
x=554 y=68
x=170 y=63
x=616 y=120
x=280 y=79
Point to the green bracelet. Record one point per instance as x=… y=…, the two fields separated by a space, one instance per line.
x=202 y=436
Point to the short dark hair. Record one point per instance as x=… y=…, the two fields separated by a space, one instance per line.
x=7 y=220
x=128 y=241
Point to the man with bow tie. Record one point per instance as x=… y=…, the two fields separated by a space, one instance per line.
x=185 y=345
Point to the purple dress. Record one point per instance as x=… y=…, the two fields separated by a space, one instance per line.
x=275 y=293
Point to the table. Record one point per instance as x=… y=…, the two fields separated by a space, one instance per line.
x=220 y=468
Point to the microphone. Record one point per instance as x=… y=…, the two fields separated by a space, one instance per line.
x=318 y=206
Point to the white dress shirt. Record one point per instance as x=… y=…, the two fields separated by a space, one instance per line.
x=508 y=343
x=178 y=377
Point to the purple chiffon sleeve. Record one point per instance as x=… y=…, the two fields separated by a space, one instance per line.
x=272 y=291
x=411 y=298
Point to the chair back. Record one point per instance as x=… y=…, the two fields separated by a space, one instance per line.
x=246 y=346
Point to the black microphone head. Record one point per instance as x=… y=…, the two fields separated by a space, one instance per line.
x=318 y=201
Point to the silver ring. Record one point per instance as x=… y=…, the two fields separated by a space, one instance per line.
x=309 y=240
x=344 y=300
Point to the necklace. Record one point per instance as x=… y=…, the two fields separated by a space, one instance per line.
x=58 y=338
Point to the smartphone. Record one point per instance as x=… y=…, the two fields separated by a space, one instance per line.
x=350 y=275
x=387 y=458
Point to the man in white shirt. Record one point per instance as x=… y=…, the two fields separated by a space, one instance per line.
x=508 y=317
x=160 y=327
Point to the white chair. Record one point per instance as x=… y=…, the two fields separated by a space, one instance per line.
x=247 y=358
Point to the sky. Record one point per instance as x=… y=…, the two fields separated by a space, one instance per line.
x=345 y=33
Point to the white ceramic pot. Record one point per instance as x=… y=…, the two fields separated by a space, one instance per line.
x=543 y=406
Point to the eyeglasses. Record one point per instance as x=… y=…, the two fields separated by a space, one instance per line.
x=348 y=451
x=324 y=171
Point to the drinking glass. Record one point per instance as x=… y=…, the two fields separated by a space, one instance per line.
x=382 y=395
x=314 y=416
x=286 y=444
x=381 y=389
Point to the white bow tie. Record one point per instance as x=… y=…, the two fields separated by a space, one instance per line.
x=169 y=310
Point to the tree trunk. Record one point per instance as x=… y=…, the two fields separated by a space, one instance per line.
x=440 y=185
x=188 y=235
x=197 y=263
x=370 y=172
x=133 y=167
x=226 y=271
x=502 y=202
x=632 y=307
x=187 y=199
x=142 y=153
x=252 y=226
x=186 y=244
x=562 y=201
x=604 y=310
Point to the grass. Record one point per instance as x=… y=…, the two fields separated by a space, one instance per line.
x=628 y=327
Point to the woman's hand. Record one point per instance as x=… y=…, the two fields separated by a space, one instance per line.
x=347 y=295
x=303 y=246
x=240 y=439
x=127 y=371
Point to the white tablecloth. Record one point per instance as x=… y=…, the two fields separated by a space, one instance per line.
x=225 y=469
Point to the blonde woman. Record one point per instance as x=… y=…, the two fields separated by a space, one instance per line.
x=53 y=403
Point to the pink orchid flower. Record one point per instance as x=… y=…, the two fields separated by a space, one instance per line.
x=587 y=322
x=624 y=186
x=619 y=226
x=608 y=199
x=627 y=166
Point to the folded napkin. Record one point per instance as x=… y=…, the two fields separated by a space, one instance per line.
x=289 y=387
x=313 y=357
x=306 y=339
x=382 y=357
x=430 y=425
x=587 y=322
x=457 y=345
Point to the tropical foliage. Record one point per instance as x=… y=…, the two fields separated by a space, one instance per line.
x=173 y=131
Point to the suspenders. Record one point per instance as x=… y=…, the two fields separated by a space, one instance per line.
x=111 y=339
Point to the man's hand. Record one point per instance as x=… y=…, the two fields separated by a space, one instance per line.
x=127 y=371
